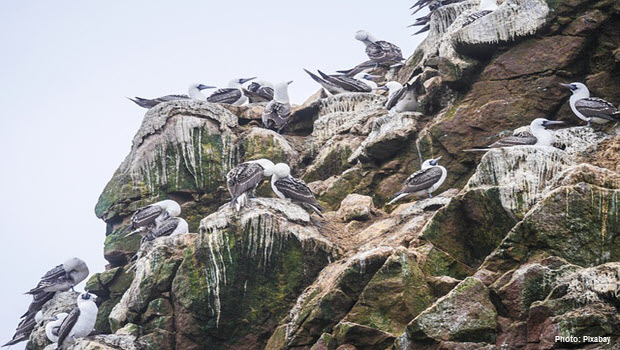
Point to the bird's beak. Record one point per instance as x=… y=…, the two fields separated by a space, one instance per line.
x=132 y=233
x=568 y=86
x=204 y=87
x=383 y=88
x=243 y=81
x=552 y=122
x=289 y=82
x=437 y=159
x=373 y=76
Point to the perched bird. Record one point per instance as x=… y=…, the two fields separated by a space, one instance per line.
x=539 y=136
x=486 y=7
x=194 y=93
x=243 y=180
x=25 y=328
x=278 y=111
x=259 y=91
x=379 y=51
x=337 y=84
x=233 y=94
x=591 y=109
x=170 y=227
x=400 y=98
x=287 y=187
x=147 y=217
x=80 y=322
x=365 y=66
x=53 y=326
x=423 y=182
x=62 y=277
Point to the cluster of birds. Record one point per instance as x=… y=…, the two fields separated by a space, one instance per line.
x=62 y=328
x=484 y=8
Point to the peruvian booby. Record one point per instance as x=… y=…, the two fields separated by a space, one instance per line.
x=486 y=7
x=278 y=111
x=379 y=51
x=62 y=277
x=423 y=182
x=337 y=84
x=194 y=93
x=233 y=94
x=287 y=187
x=259 y=91
x=25 y=328
x=591 y=109
x=147 y=217
x=53 y=326
x=170 y=227
x=400 y=98
x=243 y=180
x=539 y=136
x=80 y=322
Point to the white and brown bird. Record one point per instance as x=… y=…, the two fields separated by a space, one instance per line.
x=400 y=98
x=379 y=51
x=423 y=182
x=25 y=328
x=146 y=218
x=53 y=326
x=80 y=322
x=591 y=109
x=233 y=94
x=538 y=136
x=485 y=7
x=259 y=91
x=170 y=227
x=341 y=83
x=194 y=93
x=62 y=277
x=278 y=111
x=243 y=180
x=287 y=187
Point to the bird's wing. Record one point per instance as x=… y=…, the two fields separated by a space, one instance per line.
x=328 y=85
x=145 y=216
x=347 y=83
x=394 y=98
x=266 y=92
x=38 y=300
x=283 y=109
x=243 y=178
x=254 y=96
x=474 y=17
x=164 y=229
x=596 y=107
x=226 y=95
x=296 y=190
x=169 y=98
x=421 y=180
x=67 y=324
x=54 y=273
x=516 y=140
x=383 y=51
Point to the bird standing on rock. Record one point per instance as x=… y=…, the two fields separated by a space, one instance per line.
x=539 y=136
x=379 y=51
x=233 y=94
x=485 y=7
x=287 y=187
x=194 y=93
x=53 y=326
x=400 y=98
x=278 y=111
x=62 y=277
x=591 y=109
x=80 y=322
x=146 y=218
x=423 y=182
x=338 y=84
x=243 y=180
x=259 y=91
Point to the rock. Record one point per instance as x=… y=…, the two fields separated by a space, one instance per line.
x=331 y=159
x=262 y=143
x=362 y=337
x=466 y=314
x=61 y=302
x=356 y=207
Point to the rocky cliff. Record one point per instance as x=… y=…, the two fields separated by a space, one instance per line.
x=518 y=246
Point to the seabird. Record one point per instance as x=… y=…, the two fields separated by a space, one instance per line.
x=337 y=84
x=423 y=182
x=243 y=180
x=53 y=326
x=25 y=328
x=287 y=187
x=278 y=111
x=486 y=7
x=147 y=217
x=539 y=136
x=62 y=277
x=80 y=322
x=379 y=51
x=194 y=93
x=591 y=109
x=169 y=227
x=233 y=94
x=259 y=91
x=400 y=98
x=365 y=66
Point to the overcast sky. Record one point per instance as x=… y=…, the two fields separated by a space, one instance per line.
x=66 y=67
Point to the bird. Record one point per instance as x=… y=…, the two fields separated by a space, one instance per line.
x=259 y=91
x=147 y=217
x=485 y=7
x=170 y=227
x=400 y=98
x=243 y=180
x=538 y=136
x=365 y=66
x=53 y=326
x=337 y=84
x=379 y=51
x=278 y=111
x=591 y=109
x=25 y=328
x=423 y=182
x=287 y=187
x=62 y=277
x=80 y=322
x=233 y=94
x=194 y=93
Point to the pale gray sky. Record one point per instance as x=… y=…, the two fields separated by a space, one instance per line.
x=66 y=67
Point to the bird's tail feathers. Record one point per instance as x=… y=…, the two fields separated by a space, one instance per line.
x=314 y=77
